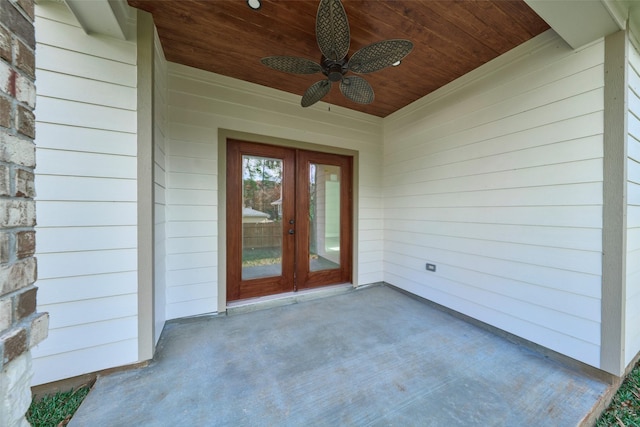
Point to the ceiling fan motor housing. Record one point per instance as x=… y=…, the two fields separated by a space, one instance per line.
x=334 y=70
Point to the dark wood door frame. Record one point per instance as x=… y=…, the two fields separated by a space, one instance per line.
x=236 y=287
x=304 y=277
x=296 y=273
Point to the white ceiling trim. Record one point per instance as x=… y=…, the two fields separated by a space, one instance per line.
x=580 y=22
x=107 y=17
x=619 y=11
x=634 y=19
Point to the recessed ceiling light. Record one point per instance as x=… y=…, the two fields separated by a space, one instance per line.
x=395 y=64
x=254 y=4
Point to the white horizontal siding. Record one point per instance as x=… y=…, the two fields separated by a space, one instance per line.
x=202 y=103
x=91 y=359
x=87 y=91
x=632 y=329
x=85 y=263
x=497 y=179
x=54 y=213
x=160 y=185
x=73 y=163
x=55 y=291
x=86 y=197
x=83 y=188
x=72 y=113
x=192 y=213
x=63 y=339
x=56 y=136
x=92 y=310
x=61 y=60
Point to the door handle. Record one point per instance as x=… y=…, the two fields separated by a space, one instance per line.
x=291 y=231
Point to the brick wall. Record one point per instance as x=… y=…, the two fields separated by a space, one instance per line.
x=21 y=327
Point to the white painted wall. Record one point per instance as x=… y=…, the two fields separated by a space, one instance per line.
x=86 y=197
x=632 y=328
x=200 y=103
x=497 y=179
x=159 y=154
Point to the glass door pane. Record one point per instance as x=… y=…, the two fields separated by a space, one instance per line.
x=324 y=217
x=261 y=217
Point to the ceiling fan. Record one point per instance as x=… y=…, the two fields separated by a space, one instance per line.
x=332 y=34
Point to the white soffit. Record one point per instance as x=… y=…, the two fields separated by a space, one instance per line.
x=106 y=17
x=580 y=22
x=634 y=21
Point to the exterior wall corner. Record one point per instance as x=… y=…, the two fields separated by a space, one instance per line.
x=614 y=209
x=21 y=326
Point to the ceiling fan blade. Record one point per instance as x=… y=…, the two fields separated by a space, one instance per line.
x=332 y=30
x=357 y=89
x=315 y=93
x=379 y=55
x=291 y=64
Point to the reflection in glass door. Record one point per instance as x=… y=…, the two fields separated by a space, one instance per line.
x=261 y=217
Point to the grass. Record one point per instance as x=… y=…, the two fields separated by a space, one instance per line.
x=253 y=257
x=624 y=410
x=55 y=410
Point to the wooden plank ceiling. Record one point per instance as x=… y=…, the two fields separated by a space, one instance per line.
x=451 y=38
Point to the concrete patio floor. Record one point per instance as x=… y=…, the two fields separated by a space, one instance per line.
x=370 y=357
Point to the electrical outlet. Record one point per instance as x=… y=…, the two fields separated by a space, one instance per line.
x=431 y=267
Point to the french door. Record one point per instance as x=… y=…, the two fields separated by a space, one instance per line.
x=288 y=219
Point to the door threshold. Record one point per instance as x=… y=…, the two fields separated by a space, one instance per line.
x=270 y=301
